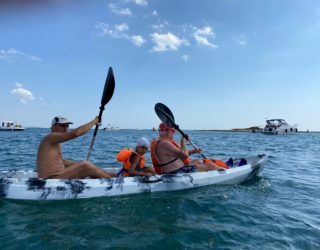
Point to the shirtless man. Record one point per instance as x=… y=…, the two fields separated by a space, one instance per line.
x=170 y=158
x=50 y=163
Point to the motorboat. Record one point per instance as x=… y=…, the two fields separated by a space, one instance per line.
x=11 y=126
x=111 y=128
x=25 y=184
x=279 y=127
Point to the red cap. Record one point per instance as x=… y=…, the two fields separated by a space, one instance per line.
x=165 y=127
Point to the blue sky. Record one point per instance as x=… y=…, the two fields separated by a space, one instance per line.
x=215 y=64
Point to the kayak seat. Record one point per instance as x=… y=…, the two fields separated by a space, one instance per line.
x=229 y=162
x=242 y=162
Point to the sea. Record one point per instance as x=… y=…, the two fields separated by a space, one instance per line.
x=278 y=210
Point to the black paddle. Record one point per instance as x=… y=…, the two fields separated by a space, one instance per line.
x=166 y=116
x=106 y=96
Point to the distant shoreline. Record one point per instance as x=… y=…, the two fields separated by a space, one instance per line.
x=205 y=130
x=245 y=130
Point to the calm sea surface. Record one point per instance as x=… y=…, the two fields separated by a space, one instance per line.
x=279 y=210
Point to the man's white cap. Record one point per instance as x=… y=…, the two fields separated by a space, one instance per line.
x=143 y=142
x=60 y=120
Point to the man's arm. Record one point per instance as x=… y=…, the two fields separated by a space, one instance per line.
x=184 y=146
x=56 y=138
x=195 y=151
x=172 y=150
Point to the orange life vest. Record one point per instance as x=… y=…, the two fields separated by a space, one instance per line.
x=219 y=163
x=156 y=163
x=124 y=156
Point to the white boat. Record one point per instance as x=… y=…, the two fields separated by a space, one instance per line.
x=111 y=128
x=279 y=127
x=25 y=185
x=11 y=126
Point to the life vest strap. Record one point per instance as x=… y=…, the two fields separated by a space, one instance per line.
x=167 y=163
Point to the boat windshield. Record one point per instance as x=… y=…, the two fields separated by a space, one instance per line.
x=276 y=122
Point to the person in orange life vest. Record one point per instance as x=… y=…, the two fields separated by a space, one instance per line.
x=134 y=162
x=170 y=158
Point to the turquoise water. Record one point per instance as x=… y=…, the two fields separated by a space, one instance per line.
x=279 y=210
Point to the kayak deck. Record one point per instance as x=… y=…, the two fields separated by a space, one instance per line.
x=26 y=186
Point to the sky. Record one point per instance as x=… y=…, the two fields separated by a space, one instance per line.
x=220 y=64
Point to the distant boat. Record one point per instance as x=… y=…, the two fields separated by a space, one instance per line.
x=111 y=128
x=11 y=126
x=279 y=127
x=154 y=129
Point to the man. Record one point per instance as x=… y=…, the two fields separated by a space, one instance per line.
x=170 y=158
x=50 y=163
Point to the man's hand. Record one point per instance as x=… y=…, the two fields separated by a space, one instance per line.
x=96 y=121
x=187 y=137
x=195 y=151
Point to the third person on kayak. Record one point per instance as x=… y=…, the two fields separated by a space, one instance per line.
x=169 y=157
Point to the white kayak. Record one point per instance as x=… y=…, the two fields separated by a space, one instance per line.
x=24 y=185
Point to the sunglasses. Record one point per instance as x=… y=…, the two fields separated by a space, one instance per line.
x=64 y=125
x=144 y=147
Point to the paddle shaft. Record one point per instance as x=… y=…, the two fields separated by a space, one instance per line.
x=187 y=138
x=95 y=132
x=106 y=96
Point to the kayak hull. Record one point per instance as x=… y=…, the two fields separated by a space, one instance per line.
x=24 y=185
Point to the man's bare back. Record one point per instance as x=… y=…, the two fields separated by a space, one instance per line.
x=49 y=159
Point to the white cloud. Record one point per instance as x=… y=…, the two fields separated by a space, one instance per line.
x=10 y=54
x=161 y=26
x=104 y=29
x=24 y=94
x=119 y=31
x=122 y=12
x=140 y=2
x=240 y=39
x=185 y=57
x=115 y=32
x=121 y=27
x=36 y=58
x=201 y=36
x=19 y=85
x=154 y=13
x=137 y=40
x=165 y=42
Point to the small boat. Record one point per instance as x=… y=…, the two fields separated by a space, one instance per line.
x=111 y=128
x=24 y=185
x=11 y=126
x=279 y=127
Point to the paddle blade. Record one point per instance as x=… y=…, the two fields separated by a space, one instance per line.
x=165 y=114
x=108 y=88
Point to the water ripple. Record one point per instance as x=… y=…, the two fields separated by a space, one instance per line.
x=278 y=210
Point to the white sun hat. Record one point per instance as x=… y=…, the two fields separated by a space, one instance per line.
x=60 y=120
x=143 y=142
